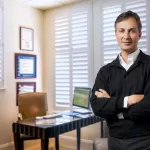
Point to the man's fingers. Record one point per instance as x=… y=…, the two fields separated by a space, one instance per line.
x=98 y=94
x=103 y=91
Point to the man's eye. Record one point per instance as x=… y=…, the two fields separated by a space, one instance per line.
x=133 y=31
x=121 y=31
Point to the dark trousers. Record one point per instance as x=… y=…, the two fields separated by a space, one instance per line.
x=138 y=143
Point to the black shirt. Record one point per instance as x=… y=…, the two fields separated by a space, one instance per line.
x=119 y=83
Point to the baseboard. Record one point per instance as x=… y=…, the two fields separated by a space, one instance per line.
x=71 y=142
x=6 y=145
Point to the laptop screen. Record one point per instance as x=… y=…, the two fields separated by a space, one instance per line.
x=81 y=97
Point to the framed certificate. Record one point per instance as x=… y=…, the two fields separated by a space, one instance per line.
x=24 y=87
x=25 y=66
x=26 y=38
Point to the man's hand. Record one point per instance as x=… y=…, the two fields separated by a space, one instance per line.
x=102 y=93
x=133 y=99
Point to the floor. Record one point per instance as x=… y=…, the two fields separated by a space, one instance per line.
x=35 y=145
x=35 y=148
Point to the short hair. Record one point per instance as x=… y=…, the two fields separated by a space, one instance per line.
x=129 y=14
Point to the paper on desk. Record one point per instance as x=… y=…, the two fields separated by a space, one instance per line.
x=71 y=113
x=83 y=115
x=39 y=117
x=48 y=116
x=44 y=121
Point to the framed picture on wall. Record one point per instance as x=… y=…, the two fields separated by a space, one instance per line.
x=26 y=39
x=25 y=66
x=24 y=87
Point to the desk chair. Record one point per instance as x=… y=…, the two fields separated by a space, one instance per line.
x=102 y=143
x=31 y=105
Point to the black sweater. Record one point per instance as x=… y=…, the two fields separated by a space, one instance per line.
x=119 y=83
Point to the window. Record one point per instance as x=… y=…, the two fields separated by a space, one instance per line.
x=1 y=44
x=72 y=53
x=110 y=11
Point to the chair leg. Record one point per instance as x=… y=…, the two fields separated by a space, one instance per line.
x=44 y=144
x=18 y=143
x=21 y=145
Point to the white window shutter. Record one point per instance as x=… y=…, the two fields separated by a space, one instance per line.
x=110 y=12
x=79 y=26
x=109 y=43
x=62 y=60
x=71 y=55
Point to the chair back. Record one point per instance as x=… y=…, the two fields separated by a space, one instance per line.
x=31 y=105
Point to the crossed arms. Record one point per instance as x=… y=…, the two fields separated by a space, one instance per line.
x=133 y=99
x=105 y=105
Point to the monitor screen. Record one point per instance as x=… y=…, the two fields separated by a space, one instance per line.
x=81 y=97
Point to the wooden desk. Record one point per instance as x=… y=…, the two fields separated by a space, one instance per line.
x=46 y=130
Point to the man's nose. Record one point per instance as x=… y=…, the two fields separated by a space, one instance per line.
x=126 y=35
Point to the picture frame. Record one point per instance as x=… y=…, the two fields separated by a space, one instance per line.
x=26 y=39
x=25 y=66
x=24 y=87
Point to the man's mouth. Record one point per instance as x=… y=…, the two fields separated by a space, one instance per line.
x=126 y=42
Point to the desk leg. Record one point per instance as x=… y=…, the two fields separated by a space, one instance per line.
x=44 y=144
x=78 y=138
x=17 y=143
x=102 y=129
x=57 y=142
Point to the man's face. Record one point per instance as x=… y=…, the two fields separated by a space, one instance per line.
x=127 y=35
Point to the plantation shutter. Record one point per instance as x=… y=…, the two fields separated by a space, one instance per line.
x=62 y=60
x=71 y=55
x=109 y=43
x=79 y=48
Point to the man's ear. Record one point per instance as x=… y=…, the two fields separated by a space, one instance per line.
x=140 y=35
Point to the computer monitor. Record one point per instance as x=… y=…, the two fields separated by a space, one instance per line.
x=82 y=97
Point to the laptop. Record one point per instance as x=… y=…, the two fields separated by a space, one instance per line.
x=81 y=100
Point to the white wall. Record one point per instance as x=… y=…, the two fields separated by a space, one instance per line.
x=48 y=60
x=17 y=15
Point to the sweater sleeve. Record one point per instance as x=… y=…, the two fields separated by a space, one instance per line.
x=140 y=112
x=104 y=107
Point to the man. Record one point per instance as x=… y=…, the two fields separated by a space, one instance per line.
x=121 y=93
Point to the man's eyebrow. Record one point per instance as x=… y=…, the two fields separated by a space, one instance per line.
x=132 y=28
x=120 y=28
x=127 y=29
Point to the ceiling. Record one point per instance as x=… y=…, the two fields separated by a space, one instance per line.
x=46 y=4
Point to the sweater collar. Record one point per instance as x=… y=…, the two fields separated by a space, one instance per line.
x=140 y=58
